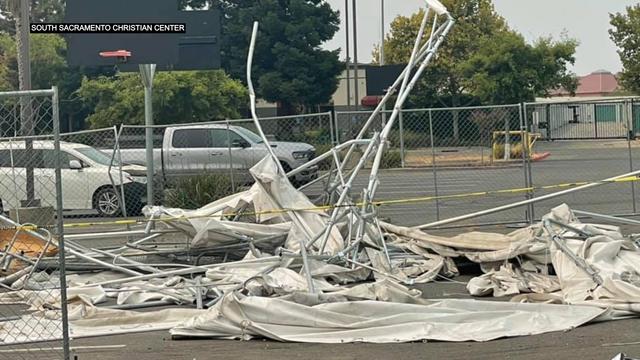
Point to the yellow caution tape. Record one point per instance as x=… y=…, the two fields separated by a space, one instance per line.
x=330 y=207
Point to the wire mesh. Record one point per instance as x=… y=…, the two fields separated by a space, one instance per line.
x=587 y=141
x=29 y=258
x=195 y=164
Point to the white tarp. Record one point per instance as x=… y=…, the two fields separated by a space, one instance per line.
x=240 y=317
x=267 y=199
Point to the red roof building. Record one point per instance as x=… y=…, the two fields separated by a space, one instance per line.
x=598 y=83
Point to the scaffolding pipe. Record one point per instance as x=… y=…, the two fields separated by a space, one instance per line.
x=525 y=202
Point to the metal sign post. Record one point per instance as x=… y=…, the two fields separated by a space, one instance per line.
x=147 y=72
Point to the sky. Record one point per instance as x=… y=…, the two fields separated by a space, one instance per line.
x=585 y=20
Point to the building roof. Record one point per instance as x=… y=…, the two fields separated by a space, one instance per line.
x=598 y=83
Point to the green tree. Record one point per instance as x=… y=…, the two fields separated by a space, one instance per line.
x=399 y=41
x=47 y=61
x=289 y=66
x=507 y=70
x=179 y=97
x=49 y=67
x=41 y=11
x=626 y=35
x=483 y=60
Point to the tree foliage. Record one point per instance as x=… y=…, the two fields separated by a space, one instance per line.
x=483 y=60
x=626 y=35
x=48 y=67
x=179 y=97
x=41 y=11
x=289 y=66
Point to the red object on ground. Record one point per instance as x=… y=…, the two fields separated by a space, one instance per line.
x=540 y=157
x=116 y=53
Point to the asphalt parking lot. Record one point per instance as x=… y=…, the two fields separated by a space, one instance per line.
x=569 y=162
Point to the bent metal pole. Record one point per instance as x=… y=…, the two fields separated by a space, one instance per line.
x=527 y=202
x=295 y=217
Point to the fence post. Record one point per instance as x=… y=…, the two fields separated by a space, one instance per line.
x=401 y=129
x=332 y=129
x=525 y=128
x=507 y=139
x=60 y=227
x=595 y=120
x=547 y=115
x=336 y=119
x=433 y=166
x=116 y=151
x=147 y=73
x=629 y=139
x=233 y=183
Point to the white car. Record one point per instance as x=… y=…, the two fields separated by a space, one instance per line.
x=87 y=182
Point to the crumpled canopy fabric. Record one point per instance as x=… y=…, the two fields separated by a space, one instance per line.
x=613 y=257
x=271 y=191
x=616 y=262
x=241 y=317
x=280 y=192
x=509 y=280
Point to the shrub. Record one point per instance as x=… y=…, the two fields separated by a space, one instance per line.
x=318 y=136
x=391 y=159
x=326 y=163
x=515 y=149
x=412 y=139
x=197 y=191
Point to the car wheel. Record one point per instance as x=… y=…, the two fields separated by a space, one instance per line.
x=107 y=202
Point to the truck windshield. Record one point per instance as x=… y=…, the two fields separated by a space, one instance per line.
x=253 y=137
x=97 y=156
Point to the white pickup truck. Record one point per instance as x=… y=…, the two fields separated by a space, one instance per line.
x=211 y=148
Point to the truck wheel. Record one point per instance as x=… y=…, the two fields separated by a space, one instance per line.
x=285 y=166
x=107 y=202
x=286 y=169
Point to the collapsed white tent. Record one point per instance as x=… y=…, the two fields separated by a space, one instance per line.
x=240 y=317
x=271 y=191
x=276 y=304
x=343 y=285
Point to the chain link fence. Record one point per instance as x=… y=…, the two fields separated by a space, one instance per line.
x=32 y=258
x=582 y=120
x=440 y=163
x=433 y=154
x=438 y=153
x=195 y=164
x=587 y=141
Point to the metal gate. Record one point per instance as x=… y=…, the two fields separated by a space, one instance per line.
x=610 y=119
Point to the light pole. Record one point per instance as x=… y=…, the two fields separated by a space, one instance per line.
x=355 y=55
x=346 y=31
x=384 y=107
x=381 y=32
x=21 y=8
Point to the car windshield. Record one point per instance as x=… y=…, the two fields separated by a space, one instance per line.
x=97 y=156
x=253 y=137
